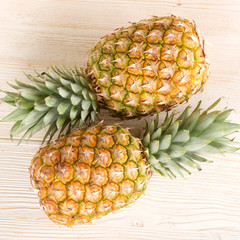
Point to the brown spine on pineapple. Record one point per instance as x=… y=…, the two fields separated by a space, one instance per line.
x=149 y=66
x=89 y=173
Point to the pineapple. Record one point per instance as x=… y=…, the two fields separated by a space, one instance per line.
x=100 y=169
x=148 y=67
x=89 y=173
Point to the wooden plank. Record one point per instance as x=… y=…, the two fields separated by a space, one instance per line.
x=36 y=34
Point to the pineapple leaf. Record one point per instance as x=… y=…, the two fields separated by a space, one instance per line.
x=93 y=115
x=165 y=142
x=75 y=100
x=151 y=127
x=50 y=130
x=13 y=86
x=27 y=132
x=50 y=116
x=76 y=88
x=30 y=94
x=60 y=121
x=84 y=114
x=32 y=117
x=11 y=96
x=204 y=122
x=8 y=98
x=223 y=115
x=156 y=120
x=63 y=127
x=170 y=174
x=52 y=101
x=14 y=128
x=167 y=122
x=208 y=149
x=174 y=167
x=181 y=137
x=189 y=162
x=196 y=143
x=85 y=94
x=163 y=157
x=63 y=107
x=23 y=85
x=191 y=121
x=18 y=114
x=156 y=166
x=52 y=86
x=229 y=142
x=218 y=130
x=223 y=147
x=182 y=118
x=17 y=129
x=41 y=106
x=181 y=167
x=36 y=128
x=196 y=157
x=73 y=113
x=156 y=134
x=86 y=104
x=23 y=104
x=41 y=87
x=64 y=93
x=177 y=144
x=176 y=151
x=146 y=139
x=12 y=103
x=212 y=106
x=173 y=129
x=154 y=146
x=65 y=83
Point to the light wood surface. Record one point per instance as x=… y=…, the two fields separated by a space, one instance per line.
x=36 y=34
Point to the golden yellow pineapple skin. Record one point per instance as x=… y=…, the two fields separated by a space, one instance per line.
x=89 y=173
x=149 y=66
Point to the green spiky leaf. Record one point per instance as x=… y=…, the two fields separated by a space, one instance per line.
x=55 y=99
x=156 y=134
x=173 y=129
x=154 y=146
x=63 y=107
x=176 y=151
x=18 y=114
x=218 y=130
x=24 y=104
x=196 y=143
x=181 y=137
x=177 y=145
x=32 y=117
x=165 y=142
x=29 y=94
x=52 y=101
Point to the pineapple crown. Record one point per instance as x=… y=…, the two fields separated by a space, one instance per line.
x=58 y=99
x=177 y=144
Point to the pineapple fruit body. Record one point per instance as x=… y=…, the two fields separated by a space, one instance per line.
x=149 y=66
x=89 y=173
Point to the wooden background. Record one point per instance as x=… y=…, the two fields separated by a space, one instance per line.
x=35 y=34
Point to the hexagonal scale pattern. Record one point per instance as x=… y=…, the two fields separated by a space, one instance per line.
x=89 y=173
x=149 y=66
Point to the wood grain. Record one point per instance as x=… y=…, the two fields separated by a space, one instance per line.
x=36 y=34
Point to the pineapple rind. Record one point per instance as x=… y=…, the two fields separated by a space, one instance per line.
x=89 y=173
x=149 y=66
